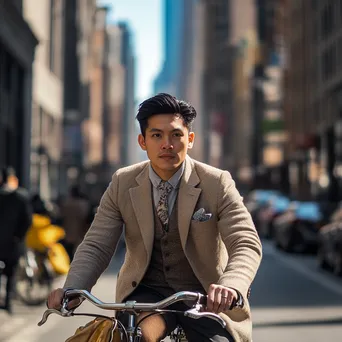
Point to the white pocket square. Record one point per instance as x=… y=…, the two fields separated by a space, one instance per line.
x=200 y=215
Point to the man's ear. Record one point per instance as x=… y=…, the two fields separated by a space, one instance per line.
x=191 y=140
x=141 y=141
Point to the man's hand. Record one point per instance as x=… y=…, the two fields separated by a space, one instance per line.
x=220 y=298
x=55 y=298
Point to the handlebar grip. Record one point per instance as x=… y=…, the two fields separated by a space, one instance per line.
x=203 y=301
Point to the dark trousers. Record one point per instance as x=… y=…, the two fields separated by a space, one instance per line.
x=196 y=330
x=9 y=272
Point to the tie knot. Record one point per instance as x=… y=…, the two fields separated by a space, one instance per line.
x=165 y=187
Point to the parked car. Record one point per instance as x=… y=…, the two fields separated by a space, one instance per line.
x=258 y=199
x=329 y=254
x=297 y=229
x=276 y=206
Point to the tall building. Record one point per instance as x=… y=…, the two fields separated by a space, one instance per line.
x=95 y=127
x=268 y=165
x=218 y=87
x=183 y=66
x=78 y=33
x=193 y=67
x=313 y=97
x=245 y=44
x=17 y=52
x=46 y=19
x=128 y=123
x=170 y=76
x=120 y=133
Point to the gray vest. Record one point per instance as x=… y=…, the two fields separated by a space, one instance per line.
x=169 y=270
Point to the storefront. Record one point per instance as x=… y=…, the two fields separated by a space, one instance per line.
x=17 y=46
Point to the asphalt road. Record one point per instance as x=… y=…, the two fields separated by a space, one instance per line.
x=292 y=300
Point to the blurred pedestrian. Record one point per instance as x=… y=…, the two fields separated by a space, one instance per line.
x=15 y=220
x=75 y=219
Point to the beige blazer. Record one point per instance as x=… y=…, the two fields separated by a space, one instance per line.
x=230 y=231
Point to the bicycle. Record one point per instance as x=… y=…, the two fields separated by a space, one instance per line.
x=132 y=333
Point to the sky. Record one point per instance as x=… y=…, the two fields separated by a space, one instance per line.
x=145 y=21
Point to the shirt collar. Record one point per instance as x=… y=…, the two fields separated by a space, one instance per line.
x=174 y=180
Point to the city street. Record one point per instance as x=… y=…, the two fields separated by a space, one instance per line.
x=291 y=301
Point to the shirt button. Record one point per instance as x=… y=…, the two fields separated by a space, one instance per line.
x=167 y=254
x=134 y=284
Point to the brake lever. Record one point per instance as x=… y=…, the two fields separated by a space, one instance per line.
x=48 y=312
x=195 y=314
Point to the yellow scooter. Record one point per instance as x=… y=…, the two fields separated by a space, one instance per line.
x=45 y=259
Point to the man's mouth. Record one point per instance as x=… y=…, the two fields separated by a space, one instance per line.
x=167 y=156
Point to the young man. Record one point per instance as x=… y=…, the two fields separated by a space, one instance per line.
x=182 y=220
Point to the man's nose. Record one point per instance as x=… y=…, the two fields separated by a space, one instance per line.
x=167 y=144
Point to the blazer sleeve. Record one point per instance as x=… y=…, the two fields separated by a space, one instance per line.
x=239 y=236
x=98 y=246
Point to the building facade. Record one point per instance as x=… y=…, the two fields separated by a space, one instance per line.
x=121 y=134
x=313 y=97
x=17 y=52
x=218 y=84
x=96 y=126
x=245 y=43
x=78 y=34
x=46 y=19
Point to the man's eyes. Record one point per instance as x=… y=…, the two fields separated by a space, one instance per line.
x=158 y=135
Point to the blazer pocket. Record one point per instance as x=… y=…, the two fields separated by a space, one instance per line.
x=203 y=233
x=202 y=224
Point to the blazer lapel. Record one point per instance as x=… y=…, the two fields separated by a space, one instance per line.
x=187 y=198
x=141 y=197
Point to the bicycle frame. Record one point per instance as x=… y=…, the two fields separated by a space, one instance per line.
x=133 y=308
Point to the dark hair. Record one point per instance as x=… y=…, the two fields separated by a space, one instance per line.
x=38 y=205
x=165 y=104
x=6 y=172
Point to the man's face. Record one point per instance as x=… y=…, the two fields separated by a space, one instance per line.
x=166 y=142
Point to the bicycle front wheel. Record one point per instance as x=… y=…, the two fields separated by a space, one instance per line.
x=33 y=280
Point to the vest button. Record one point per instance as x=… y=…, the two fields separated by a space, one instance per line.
x=167 y=268
x=134 y=284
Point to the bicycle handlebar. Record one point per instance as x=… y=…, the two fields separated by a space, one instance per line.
x=133 y=306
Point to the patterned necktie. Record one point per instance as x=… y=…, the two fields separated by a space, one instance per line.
x=163 y=206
